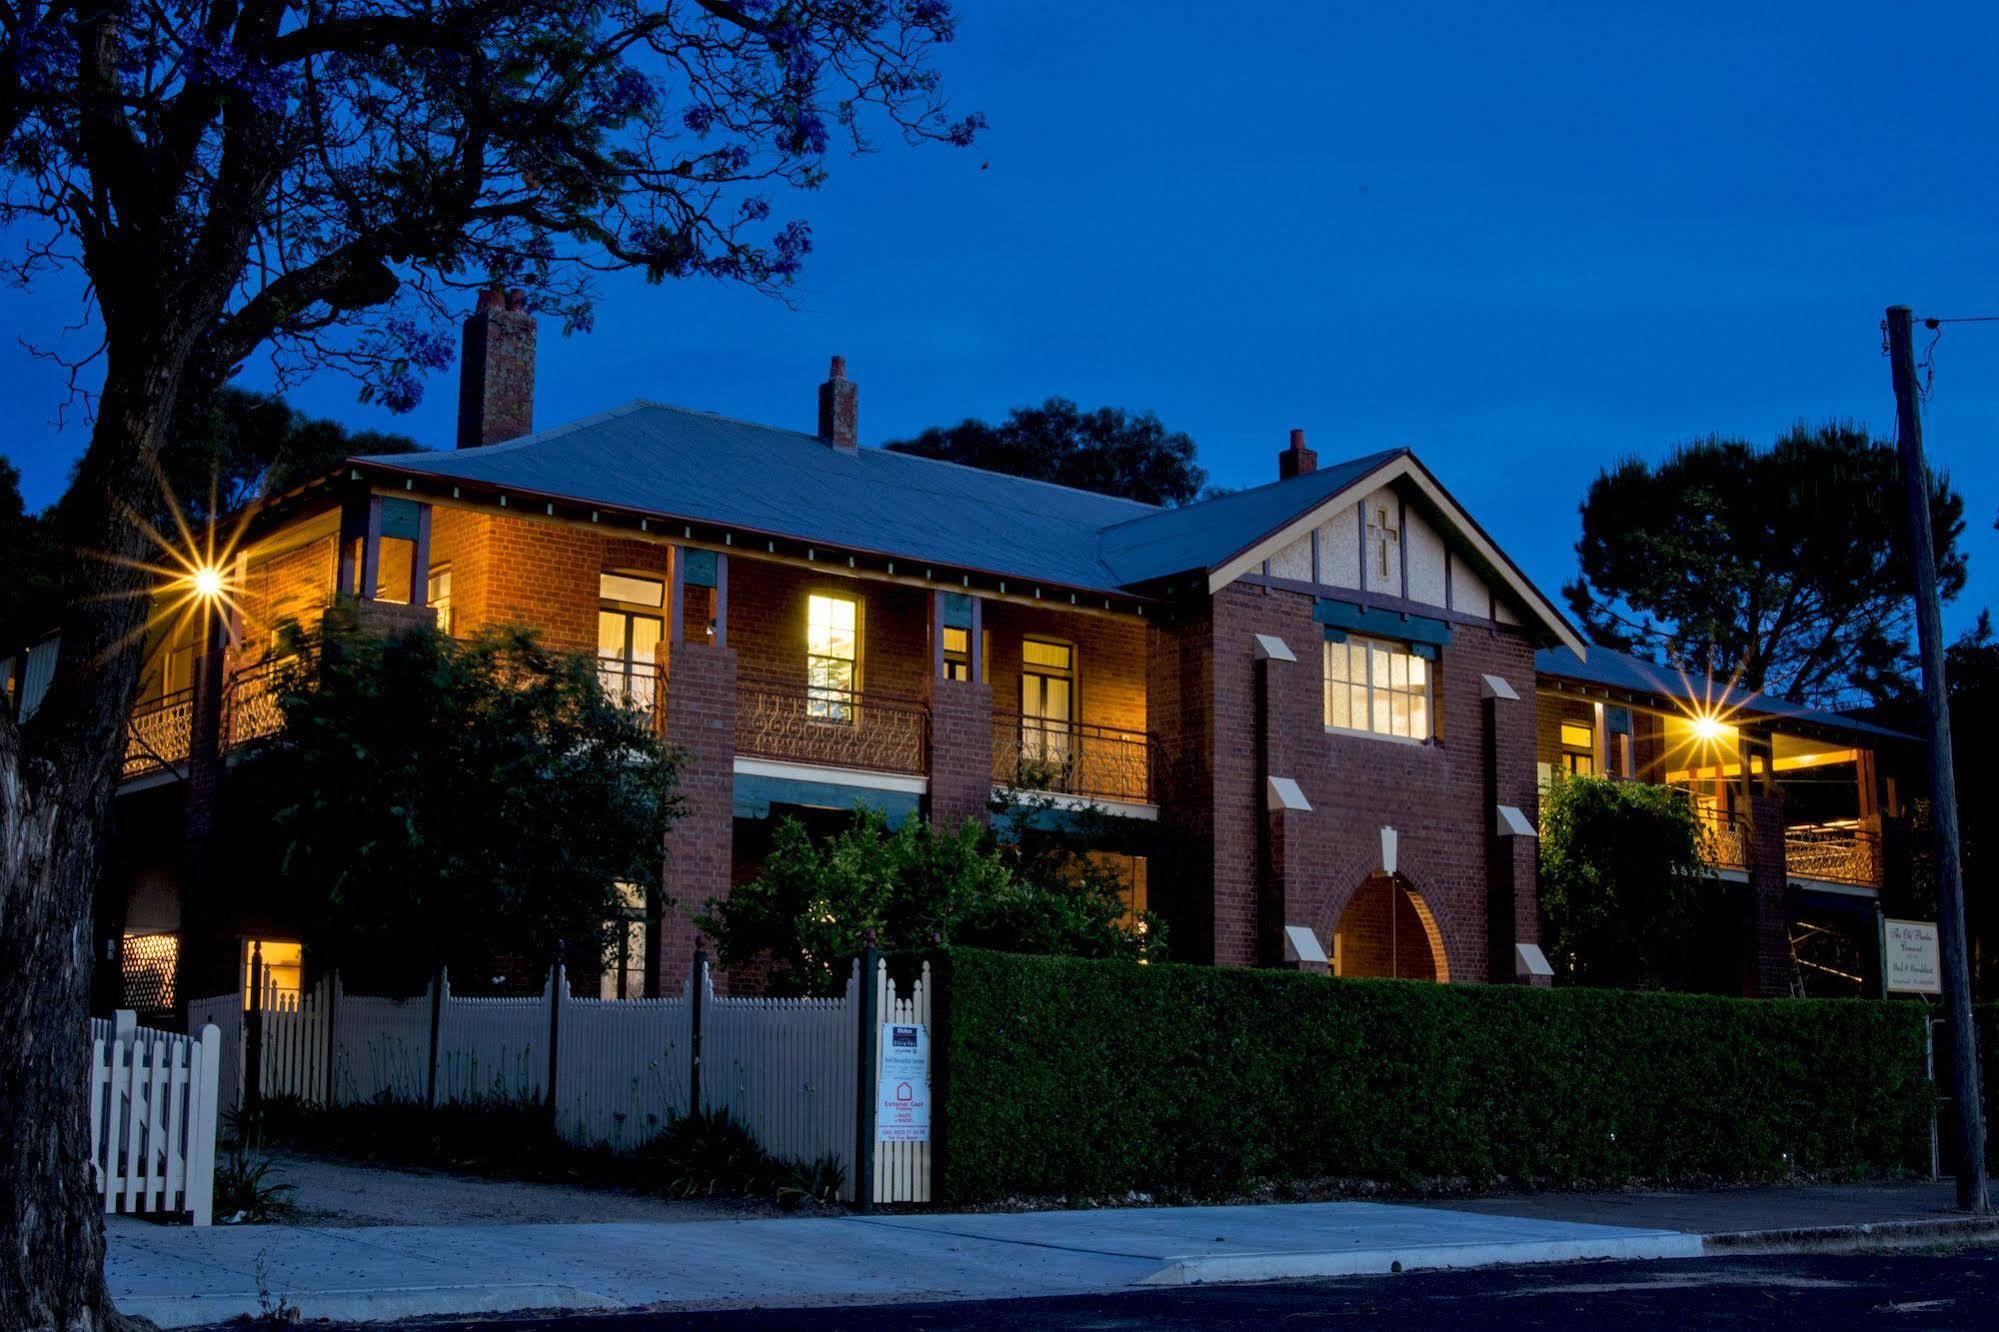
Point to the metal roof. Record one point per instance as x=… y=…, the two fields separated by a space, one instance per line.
x=703 y=468
x=1620 y=670
x=1206 y=535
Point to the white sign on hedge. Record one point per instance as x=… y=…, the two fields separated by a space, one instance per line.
x=1909 y=957
x=902 y=1107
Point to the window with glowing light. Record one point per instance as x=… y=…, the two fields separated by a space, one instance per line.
x=284 y=967
x=437 y=593
x=832 y=657
x=1578 y=749
x=1376 y=687
x=629 y=633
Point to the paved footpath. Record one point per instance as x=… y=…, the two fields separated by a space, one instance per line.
x=181 y=1277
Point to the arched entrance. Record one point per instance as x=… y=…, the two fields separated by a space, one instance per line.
x=1387 y=930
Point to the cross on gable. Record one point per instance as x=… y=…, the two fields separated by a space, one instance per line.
x=1382 y=537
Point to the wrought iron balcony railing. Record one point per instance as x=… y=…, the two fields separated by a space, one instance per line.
x=1833 y=855
x=1071 y=758
x=636 y=684
x=159 y=733
x=839 y=727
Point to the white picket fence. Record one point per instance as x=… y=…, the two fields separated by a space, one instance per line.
x=153 y=1117
x=785 y=1069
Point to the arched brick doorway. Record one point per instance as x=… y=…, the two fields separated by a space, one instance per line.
x=1388 y=930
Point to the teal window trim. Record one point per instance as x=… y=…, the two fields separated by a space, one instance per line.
x=1341 y=618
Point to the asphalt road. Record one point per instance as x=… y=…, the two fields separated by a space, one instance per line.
x=1821 y=1292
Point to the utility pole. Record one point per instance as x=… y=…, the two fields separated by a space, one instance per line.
x=1972 y=1195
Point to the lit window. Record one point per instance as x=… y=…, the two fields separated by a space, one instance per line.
x=284 y=968
x=1379 y=687
x=628 y=640
x=957 y=653
x=631 y=589
x=1578 y=749
x=832 y=657
x=1047 y=701
x=148 y=962
x=438 y=594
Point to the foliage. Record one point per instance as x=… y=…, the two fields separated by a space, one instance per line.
x=815 y=905
x=276 y=173
x=28 y=594
x=242 y=446
x=1074 y=1077
x=458 y=801
x=245 y=1191
x=1785 y=568
x=1622 y=868
x=709 y=1153
x=1108 y=450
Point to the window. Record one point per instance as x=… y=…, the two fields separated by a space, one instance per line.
x=627 y=638
x=1047 y=701
x=1379 y=687
x=957 y=653
x=832 y=658
x=1578 y=749
x=284 y=967
x=438 y=594
x=624 y=971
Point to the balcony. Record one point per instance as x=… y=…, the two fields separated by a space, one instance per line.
x=1833 y=854
x=1071 y=758
x=839 y=728
x=159 y=734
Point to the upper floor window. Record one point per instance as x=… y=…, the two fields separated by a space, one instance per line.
x=832 y=657
x=1379 y=687
x=629 y=631
x=437 y=594
x=957 y=653
x=1047 y=699
x=1578 y=749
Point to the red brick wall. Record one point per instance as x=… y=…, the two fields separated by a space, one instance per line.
x=1433 y=794
x=961 y=750
x=1769 y=936
x=701 y=718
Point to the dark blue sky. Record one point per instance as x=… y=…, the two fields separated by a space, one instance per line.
x=1524 y=242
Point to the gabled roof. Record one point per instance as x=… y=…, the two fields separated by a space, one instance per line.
x=702 y=468
x=1621 y=671
x=1204 y=535
x=671 y=463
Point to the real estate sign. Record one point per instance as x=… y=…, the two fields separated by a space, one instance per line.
x=1909 y=957
x=902 y=1104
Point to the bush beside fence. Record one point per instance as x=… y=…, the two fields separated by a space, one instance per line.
x=1068 y=1076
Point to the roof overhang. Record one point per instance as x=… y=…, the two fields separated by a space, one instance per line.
x=1405 y=466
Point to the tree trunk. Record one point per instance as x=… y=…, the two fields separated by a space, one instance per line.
x=57 y=776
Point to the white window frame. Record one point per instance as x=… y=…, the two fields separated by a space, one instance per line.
x=1371 y=689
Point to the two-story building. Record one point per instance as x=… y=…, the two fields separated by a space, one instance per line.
x=1320 y=695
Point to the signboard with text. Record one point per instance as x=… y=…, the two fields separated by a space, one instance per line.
x=1909 y=959
x=902 y=1103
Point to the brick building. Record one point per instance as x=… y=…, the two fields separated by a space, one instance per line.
x=1319 y=696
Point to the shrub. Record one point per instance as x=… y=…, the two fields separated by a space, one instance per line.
x=1066 y=1076
x=817 y=903
x=1622 y=867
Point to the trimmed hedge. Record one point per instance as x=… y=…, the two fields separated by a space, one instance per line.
x=1067 y=1076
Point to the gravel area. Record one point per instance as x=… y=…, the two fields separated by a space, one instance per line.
x=334 y=1192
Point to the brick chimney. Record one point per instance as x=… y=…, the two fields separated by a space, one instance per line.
x=1296 y=460
x=496 y=371
x=840 y=409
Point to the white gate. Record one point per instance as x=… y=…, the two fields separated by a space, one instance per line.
x=153 y=1117
x=902 y=1169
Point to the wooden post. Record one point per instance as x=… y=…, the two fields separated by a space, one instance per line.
x=420 y=559
x=439 y=980
x=695 y=985
x=721 y=600
x=253 y=1044
x=558 y=981
x=865 y=1090
x=1972 y=1193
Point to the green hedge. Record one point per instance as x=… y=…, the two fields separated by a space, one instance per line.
x=1066 y=1076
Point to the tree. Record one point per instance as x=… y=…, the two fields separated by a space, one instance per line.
x=1784 y=568
x=462 y=802
x=320 y=184
x=1108 y=450
x=816 y=904
x=1622 y=867
x=241 y=447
